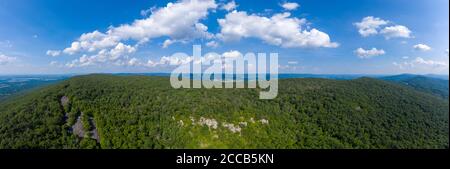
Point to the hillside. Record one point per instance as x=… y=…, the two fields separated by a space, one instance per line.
x=104 y=111
x=436 y=86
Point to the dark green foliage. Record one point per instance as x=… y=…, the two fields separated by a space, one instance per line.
x=435 y=86
x=145 y=112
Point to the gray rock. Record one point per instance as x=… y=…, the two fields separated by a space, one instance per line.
x=64 y=101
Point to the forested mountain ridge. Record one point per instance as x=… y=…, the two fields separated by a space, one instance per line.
x=145 y=112
x=436 y=86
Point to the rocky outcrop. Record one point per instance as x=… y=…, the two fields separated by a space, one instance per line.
x=94 y=132
x=77 y=128
x=213 y=124
x=233 y=128
x=64 y=101
x=81 y=132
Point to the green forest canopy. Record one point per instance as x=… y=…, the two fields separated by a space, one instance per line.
x=145 y=112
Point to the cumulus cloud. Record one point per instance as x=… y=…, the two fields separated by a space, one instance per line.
x=175 y=60
x=433 y=63
x=420 y=62
x=162 y=62
x=229 y=6
x=53 y=63
x=53 y=53
x=279 y=30
x=133 y=62
x=422 y=47
x=398 y=31
x=232 y=54
x=365 y=54
x=290 y=6
x=114 y=55
x=212 y=44
x=56 y=64
x=147 y=12
x=6 y=59
x=167 y=43
x=91 y=42
x=179 y=22
x=168 y=61
x=370 y=25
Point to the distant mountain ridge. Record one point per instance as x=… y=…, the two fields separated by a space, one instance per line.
x=436 y=86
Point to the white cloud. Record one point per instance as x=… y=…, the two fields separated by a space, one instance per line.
x=91 y=42
x=397 y=31
x=178 y=22
x=167 y=43
x=405 y=57
x=212 y=44
x=232 y=54
x=229 y=6
x=172 y=60
x=422 y=47
x=53 y=63
x=403 y=65
x=292 y=62
x=421 y=63
x=365 y=54
x=116 y=55
x=147 y=12
x=74 y=48
x=120 y=50
x=168 y=61
x=56 y=64
x=370 y=25
x=53 y=53
x=433 y=63
x=6 y=59
x=176 y=60
x=290 y=6
x=133 y=62
x=279 y=30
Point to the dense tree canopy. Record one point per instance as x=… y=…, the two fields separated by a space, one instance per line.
x=435 y=86
x=145 y=112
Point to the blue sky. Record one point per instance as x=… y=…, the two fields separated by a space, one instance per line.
x=410 y=37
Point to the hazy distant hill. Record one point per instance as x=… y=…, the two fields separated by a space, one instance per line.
x=444 y=77
x=436 y=86
x=13 y=84
x=103 y=111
